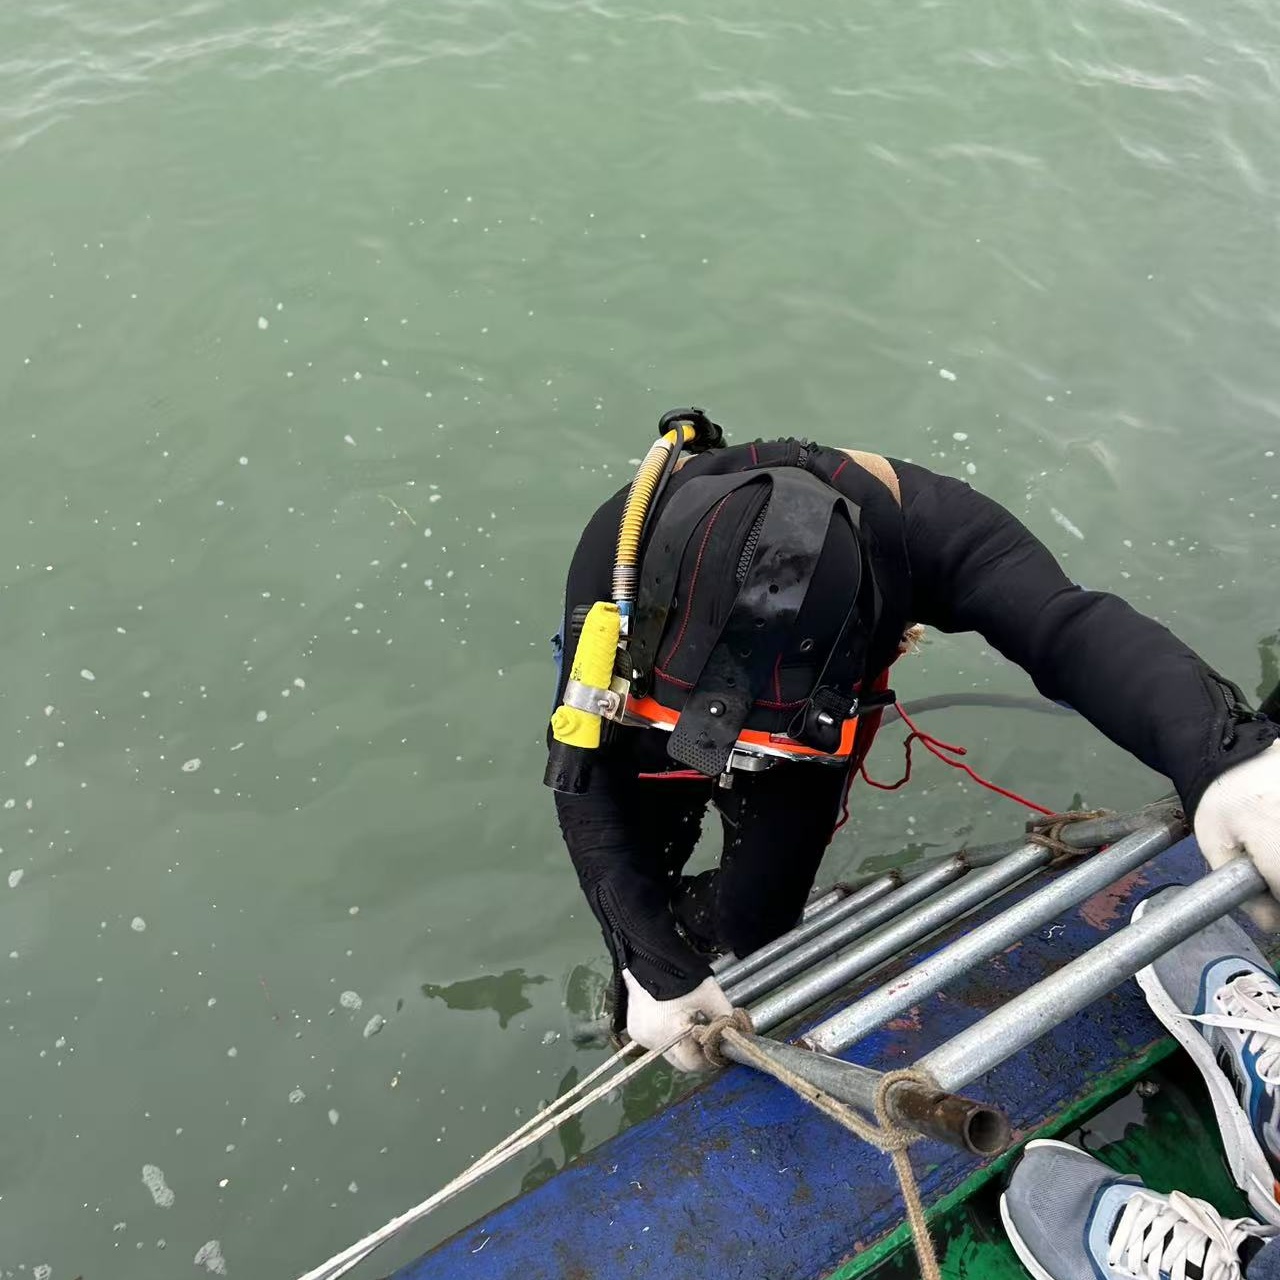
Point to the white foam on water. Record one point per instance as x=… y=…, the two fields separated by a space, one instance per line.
x=138 y=924
x=947 y=374
x=49 y=710
x=263 y=322
x=15 y=878
x=86 y=674
x=153 y=1180
x=209 y=1256
x=31 y=759
x=348 y=440
x=333 y=1116
x=962 y=436
x=374 y=1025
x=1062 y=520
x=350 y=1000
x=190 y=766
x=299 y=682
x=260 y=717
x=296 y=1096
x=41 y=1271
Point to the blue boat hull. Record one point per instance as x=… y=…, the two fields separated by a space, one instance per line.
x=741 y=1179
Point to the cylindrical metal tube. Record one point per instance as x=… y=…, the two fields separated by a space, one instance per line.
x=844 y=932
x=1028 y=1016
x=816 y=906
x=822 y=902
x=735 y=970
x=941 y=909
x=972 y=1126
x=850 y=1024
x=1088 y=833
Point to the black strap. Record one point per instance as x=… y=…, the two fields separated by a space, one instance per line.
x=661 y=560
x=795 y=529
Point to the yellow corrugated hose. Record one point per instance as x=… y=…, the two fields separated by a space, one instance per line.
x=637 y=507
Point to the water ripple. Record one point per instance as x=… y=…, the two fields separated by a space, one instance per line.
x=768 y=97
x=1098 y=73
x=86 y=59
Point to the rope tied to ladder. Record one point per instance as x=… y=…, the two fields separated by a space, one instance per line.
x=1047 y=833
x=884 y=1133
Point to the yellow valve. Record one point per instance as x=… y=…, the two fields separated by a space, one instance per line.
x=592 y=666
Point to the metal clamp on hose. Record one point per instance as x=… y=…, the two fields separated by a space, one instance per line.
x=586 y=697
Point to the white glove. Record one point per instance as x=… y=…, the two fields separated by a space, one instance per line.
x=653 y=1022
x=1240 y=814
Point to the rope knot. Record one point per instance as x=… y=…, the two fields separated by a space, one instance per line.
x=708 y=1035
x=1047 y=832
x=894 y=1136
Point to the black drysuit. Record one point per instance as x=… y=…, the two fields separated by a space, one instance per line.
x=948 y=558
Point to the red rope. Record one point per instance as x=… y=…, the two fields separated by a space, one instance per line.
x=944 y=751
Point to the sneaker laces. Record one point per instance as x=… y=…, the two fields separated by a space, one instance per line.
x=1252 y=1004
x=1181 y=1238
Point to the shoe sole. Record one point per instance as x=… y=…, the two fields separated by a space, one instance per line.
x=1226 y=1106
x=1020 y=1246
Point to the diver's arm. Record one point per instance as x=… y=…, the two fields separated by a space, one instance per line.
x=602 y=827
x=624 y=886
x=975 y=567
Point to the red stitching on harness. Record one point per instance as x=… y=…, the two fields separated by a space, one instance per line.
x=777 y=686
x=662 y=675
x=755 y=457
x=835 y=475
x=697 y=568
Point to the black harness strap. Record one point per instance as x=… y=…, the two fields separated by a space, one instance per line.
x=731 y=666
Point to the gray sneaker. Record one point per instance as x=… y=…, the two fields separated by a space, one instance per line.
x=1219 y=998
x=1069 y=1217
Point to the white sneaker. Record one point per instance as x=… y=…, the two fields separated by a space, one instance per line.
x=1070 y=1217
x=1219 y=998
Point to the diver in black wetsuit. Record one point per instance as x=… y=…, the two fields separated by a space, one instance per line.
x=772 y=587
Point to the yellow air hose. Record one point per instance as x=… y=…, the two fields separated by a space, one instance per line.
x=627 y=560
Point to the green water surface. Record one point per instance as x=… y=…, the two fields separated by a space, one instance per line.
x=325 y=325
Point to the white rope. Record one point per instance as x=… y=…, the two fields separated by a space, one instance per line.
x=533 y=1131
x=556 y=1103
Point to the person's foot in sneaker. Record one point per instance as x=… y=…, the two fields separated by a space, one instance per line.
x=1219 y=997
x=1070 y=1217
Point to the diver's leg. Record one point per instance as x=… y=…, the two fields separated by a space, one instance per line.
x=777 y=825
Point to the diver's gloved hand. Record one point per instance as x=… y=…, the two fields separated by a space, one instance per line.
x=1239 y=815
x=652 y=1022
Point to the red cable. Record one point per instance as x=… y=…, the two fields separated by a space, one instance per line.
x=937 y=747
